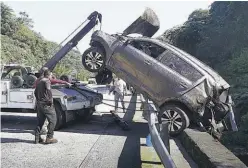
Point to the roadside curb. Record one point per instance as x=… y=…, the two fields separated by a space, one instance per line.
x=207 y=152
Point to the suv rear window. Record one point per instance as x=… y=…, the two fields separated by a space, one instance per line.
x=180 y=66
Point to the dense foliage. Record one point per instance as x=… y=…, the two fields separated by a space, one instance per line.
x=219 y=37
x=20 y=44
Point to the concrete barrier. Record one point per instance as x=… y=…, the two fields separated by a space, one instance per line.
x=208 y=152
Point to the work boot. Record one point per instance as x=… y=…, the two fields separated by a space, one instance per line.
x=51 y=140
x=38 y=139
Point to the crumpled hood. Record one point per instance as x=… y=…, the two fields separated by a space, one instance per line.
x=146 y=25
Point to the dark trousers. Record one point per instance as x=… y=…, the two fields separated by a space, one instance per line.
x=44 y=111
x=119 y=96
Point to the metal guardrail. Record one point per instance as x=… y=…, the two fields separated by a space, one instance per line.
x=160 y=140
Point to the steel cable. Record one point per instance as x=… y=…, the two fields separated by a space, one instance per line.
x=127 y=101
x=122 y=107
x=67 y=38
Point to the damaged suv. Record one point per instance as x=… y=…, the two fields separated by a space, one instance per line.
x=181 y=86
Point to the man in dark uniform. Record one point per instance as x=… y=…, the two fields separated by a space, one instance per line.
x=45 y=110
x=53 y=81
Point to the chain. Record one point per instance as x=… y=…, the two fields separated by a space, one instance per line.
x=122 y=107
x=127 y=101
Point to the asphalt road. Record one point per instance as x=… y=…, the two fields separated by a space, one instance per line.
x=98 y=144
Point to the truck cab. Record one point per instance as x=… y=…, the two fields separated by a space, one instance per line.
x=17 y=92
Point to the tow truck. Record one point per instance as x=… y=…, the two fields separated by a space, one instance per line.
x=78 y=101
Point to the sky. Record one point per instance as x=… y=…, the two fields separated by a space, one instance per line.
x=55 y=20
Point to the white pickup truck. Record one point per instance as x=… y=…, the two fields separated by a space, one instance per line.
x=69 y=103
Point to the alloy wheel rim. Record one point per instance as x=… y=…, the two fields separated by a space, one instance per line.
x=94 y=60
x=174 y=119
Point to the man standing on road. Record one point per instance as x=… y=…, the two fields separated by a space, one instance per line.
x=44 y=99
x=118 y=89
x=53 y=81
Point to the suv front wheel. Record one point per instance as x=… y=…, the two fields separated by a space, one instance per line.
x=176 y=118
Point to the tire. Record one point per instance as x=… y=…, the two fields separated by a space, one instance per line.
x=104 y=77
x=60 y=114
x=16 y=82
x=29 y=80
x=93 y=59
x=177 y=118
x=85 y=114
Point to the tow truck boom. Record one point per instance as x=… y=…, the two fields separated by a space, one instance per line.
x=93 y=18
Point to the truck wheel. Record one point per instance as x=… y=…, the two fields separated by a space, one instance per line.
x=88 y=114
x=93 y=59
x=85 y=114
x=60 y=114
x=176 y=117
x=29 y=80
x=16 y=82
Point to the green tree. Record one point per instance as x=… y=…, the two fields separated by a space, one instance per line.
x=8 y=22
x=24 y=19
x=20 y=44
x=219 y=37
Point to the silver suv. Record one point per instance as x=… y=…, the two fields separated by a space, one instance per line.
x=181 y=86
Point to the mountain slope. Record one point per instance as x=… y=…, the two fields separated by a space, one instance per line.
x=20 y=44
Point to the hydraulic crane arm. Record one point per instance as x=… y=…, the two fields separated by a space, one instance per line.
x=93 y=18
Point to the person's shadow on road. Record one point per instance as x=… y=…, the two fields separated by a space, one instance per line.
x=15 y=140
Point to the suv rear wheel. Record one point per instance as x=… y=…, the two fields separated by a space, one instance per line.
x=104 y=77
x=176 y=117
x=93 y=59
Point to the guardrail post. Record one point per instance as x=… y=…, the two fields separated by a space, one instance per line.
x=165 y=136
x=164 y=131
x=161 y=145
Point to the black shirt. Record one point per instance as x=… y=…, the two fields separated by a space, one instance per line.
x=43 y=93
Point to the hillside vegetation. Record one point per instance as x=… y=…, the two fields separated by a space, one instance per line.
x=219 y=37
x=20 y=44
